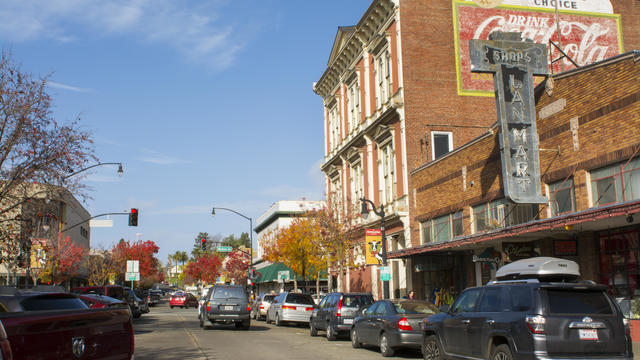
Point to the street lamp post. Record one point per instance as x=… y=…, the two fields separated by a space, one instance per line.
x=365 y=214
x=120 y=170
x=213 y=212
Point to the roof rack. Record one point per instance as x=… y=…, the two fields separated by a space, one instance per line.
x=517 y=281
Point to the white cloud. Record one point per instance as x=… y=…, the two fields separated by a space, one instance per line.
x=155 y=157
x=56 y=85
x=195 y=29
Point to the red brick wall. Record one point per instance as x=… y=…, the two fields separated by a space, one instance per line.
x=630 y=11
x=606 y=101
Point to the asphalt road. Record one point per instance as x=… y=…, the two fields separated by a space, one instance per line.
x=166 y=333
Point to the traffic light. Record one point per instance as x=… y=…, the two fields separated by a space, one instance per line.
x=133 y=217
x=204 y=244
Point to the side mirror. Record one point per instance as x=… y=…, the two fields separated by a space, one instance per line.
x=363 y=312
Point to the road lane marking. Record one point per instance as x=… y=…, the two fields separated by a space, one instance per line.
x=195 y=341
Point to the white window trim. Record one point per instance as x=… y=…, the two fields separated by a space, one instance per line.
x=433 y=144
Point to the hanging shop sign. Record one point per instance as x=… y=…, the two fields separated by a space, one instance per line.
x=373 y=253
x=514 y=63
x=565 y=247
x=590 y=32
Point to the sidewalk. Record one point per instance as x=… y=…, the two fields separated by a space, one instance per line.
x=636 y=350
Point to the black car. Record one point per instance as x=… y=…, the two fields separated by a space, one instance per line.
x=154 y=297
x=392 y=324
x=550 y=317
x=335 y=313
x=226 y=304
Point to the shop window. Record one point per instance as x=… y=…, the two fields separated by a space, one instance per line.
x=615 y=184
x=481 y=217
x=562 y=198
x=619 y=266
x=441 y=143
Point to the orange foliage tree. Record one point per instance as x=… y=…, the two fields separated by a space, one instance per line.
x=236 y=266
x=63 y=257
x=143 y=251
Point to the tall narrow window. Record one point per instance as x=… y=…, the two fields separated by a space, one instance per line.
x=354 y=105
x=426 y=232
x=457 y=225
x=441 y=143
x=386 y=170
x=356 y=183
x=562 y=197
x=442 y=228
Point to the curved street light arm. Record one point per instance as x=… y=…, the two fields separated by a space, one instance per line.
x=213 y=212
x=92 y=166
x=93 y=217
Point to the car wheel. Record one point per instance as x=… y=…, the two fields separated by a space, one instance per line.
x=278 y=320
x=246 y=324
x=266 y=319
x=355 y=343
x=501 y=352
x=431 y=349
x=201 y=321
x=313 y=331
x=331 y=332
x=385 y=347
x=171 y=306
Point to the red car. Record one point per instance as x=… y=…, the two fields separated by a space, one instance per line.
x=183 y=300
x=94 y=301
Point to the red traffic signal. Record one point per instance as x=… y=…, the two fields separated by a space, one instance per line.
x=204 y=243
x=133 y=217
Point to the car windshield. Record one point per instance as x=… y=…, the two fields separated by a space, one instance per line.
x=303 y=299
x=356 y=301
x=268 y=298
x=228 y=292
x=415 y=307
x=43 y=303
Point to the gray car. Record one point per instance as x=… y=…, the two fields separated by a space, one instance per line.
x=290 y=307
x=336 y=312
x=226 y=304
x=261 y=305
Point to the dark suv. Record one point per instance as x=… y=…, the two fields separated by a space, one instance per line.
x=226 y=304
x=336 y=312
x=529 y=319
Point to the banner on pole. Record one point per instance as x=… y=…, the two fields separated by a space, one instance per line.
x=373 y=239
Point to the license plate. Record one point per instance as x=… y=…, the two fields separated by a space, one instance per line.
x=228 y=308
x=588 y=334
x=347 y=321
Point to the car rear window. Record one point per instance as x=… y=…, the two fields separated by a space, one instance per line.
x=268 y=298
x=415 y=307
x=229 y=292
x=356 y=301
x=43 y=303
x=578 y=302
x=304 y=299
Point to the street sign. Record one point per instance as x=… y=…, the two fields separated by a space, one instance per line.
x=133 y=266
x=283 y=275
x=132 y=276
x=385 y=273
x=95 y=223
x=224 y=249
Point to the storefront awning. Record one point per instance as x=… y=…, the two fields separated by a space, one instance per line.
x=594 y=219
x=269 y=273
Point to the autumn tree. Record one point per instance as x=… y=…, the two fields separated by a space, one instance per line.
x=143 y=251
x=36 y=152
x=206 y=268
x=101 y=267
x=64 y=258
x=237 y=265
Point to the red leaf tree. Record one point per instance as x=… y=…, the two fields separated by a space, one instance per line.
x=236 y=266
x=64 y=257
x=143 y=251
x=206 y=268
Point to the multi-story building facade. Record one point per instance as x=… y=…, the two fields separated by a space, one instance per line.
x=279 y=216
x=398 y=94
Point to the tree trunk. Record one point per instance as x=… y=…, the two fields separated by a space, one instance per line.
x=318 y=284
x=295 y=282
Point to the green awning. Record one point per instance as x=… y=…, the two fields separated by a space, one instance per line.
x=270 y=273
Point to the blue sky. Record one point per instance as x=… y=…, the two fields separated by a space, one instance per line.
x=206 y=103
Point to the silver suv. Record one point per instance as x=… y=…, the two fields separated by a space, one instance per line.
x=290 y=307
x=521 y=317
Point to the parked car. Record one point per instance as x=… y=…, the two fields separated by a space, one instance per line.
x=536 y=310
x=143 y=304
x=114 y=291
x=318 y=297
x=94 y=301
x=226 y=304
x=203 y=296
x=336 y=312
x=183 y=300
x=261 y=305
x=392 y=324
x=290 y=307
x=154 y=297
x=52 y=326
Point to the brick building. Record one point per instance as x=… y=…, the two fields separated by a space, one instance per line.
x=397 y=95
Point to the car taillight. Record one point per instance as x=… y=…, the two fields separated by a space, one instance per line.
x=208 y=306
x=536 y=323
x=261 y=307
x=403 y=324
x=248 y=308
x=5 y=346
x=309 y=309
x=287 y=307
x=339 y=309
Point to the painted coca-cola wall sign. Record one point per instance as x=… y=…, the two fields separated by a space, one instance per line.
x=586 y=37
